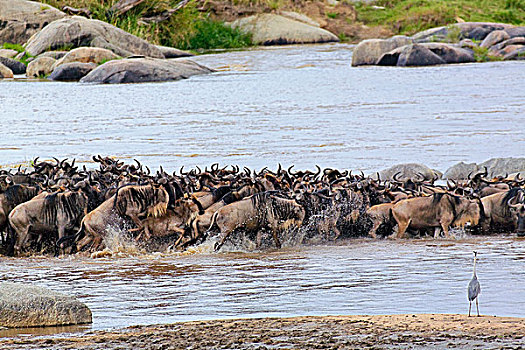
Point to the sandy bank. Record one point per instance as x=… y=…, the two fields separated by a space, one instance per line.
x=332 y=332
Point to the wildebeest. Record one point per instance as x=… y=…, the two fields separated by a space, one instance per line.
x=10 y=198
x=441 y=210
x=500 y=214
x=55 y=212
x=262 y=210
x=380 y=214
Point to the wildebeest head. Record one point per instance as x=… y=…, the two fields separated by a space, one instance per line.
x=519 y=211
x=468 y=211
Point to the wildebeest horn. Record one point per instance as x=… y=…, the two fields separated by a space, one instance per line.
x=139 y=166
x=182 y=172
x=513 y=205
x=200 y=170
x=318 y=171
x=378 y=177
x=58 y=162
x=62 y=163
x=148 y=172
x=395 y=177
x=262 y=171
x=247 y=171
x=279 y=168
x=290 y=170
x=215 y=166
x=35 y=161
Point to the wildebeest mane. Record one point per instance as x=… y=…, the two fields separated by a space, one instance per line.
x=17 y=194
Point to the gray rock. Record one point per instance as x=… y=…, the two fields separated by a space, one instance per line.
x=73 y=71
x=300 y=17
x=142 y=70
x=23 y=305
x=460 y=171
x=9 y=53
x=87 y=55
x=79 y=31
x=466 y=30
x=516 y=55
x=16 y=66
x=513 y=41
x=5 y=72
x=418 y=55
x=450 y=53
x=467 y=43
x=369 y=52
x=408 y=170
x=495 y=167
x=515 y=31
x=271 y=29
x=20 y=19
x=53 y=54
x=494 y=37
x=40 y=67
x=171 y=52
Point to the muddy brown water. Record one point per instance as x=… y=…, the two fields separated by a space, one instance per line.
x=303 y=105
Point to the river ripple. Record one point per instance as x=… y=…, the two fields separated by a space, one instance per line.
x=300 y=104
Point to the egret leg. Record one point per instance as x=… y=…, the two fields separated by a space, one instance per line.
x=469 y=305
x=477 y=306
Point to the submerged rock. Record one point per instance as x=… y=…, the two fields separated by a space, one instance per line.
x=23 y=305
x=41 y=66
x=73 y=71
x=5 y=72
x=409 y=170
x=20 y=19
x=79 y=31
x=271 y=29
x=16 y=66
x=369 y=52
x=495 y=167
x=142 y=70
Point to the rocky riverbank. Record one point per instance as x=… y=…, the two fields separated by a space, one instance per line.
x=330 y=332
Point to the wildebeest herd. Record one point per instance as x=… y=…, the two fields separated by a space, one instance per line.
x=55 y=207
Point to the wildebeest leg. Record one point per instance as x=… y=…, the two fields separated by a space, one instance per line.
x=21 y=238
x=223 y=237
x=402 y=227
x=276 y=239
x=84 y=242
x=373 y=231
x=437 y=232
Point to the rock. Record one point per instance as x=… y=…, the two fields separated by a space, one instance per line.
x=171 y=52
x=8 y=53
x=5 y=72
x=450 y=53
x=54 y=54
x=513 y=41
x=418 y=55
x=142 y=70
x=20 y=19
x=460 y=171
x=300 y=18
x=16 y=66
x=23 y=305
x=78 y=31
x=408 y=170
x=509 y=50
x=515 y=31
x=466 y=30
x=494 y=37
x=87 y=55
x=73 y=71
x=467 y=43
x=40 y=67
x=270 y=29
x=369 y=52
x=495 y=167
x=518 y=55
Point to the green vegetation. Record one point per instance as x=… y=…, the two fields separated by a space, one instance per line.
x=412 y=16
x=331 y=15
x=18 y=48
x=187 y=29
x=482 y=54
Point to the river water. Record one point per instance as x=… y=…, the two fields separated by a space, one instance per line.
x=301 y=105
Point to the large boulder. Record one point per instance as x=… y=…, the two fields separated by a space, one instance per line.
x=87 y=55
x=23 y=305
x=494 y=37
x=409 y=170
x=518 y=54
x=369 y=52
x=20 y=19
x=142 y=70
x=171 y=52
x=466 y=30
x=5 y=72
x=270 y=29
x=450 y=53
x=73 y=71
x=16 y=66
x=418 y=55
x=41 y=66
x=79 y=31
x=495 y=167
